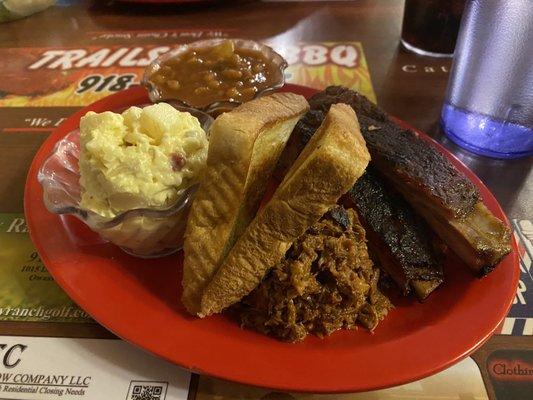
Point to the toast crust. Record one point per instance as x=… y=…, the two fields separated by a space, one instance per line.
x=244 y=148
x=327 y=168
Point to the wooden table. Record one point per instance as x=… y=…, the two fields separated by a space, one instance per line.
x=406 y=85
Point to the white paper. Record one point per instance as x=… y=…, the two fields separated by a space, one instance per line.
x=85 y=369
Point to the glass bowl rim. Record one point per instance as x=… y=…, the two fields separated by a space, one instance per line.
x=47 y=182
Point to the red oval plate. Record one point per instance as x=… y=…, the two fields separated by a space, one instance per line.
x=138 y=300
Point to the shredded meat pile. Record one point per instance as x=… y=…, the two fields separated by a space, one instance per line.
x=326 y=282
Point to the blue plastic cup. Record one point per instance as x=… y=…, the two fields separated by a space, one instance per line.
x=489 y=101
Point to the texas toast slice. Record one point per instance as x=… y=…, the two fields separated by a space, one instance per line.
x=328 y=166
x=244 y=147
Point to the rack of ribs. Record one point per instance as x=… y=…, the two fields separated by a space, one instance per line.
x=435 y=189
x=399 y=240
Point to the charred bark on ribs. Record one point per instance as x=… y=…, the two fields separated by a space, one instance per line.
x=448 y=201
x=399 y=239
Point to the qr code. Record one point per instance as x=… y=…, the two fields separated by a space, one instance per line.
x=142 y=390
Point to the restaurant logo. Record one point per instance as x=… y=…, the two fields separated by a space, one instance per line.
x=343 y=55
x=66 y=59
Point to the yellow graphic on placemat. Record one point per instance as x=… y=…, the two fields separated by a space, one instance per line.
x=319 y=65
x=45 y=77
x=28 y=292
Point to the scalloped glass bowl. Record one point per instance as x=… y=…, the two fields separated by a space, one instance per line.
x=142 y=232
x=217 y=107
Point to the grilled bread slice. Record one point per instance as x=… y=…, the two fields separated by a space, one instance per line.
x=244 y=147
x=329 y=165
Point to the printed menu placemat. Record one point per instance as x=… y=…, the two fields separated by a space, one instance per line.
x=77 y=76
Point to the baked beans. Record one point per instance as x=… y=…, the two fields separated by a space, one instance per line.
x=201 y=76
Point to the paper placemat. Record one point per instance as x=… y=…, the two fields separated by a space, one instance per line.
x=77 y=76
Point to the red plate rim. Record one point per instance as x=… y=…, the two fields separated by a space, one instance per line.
x=236 y=363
